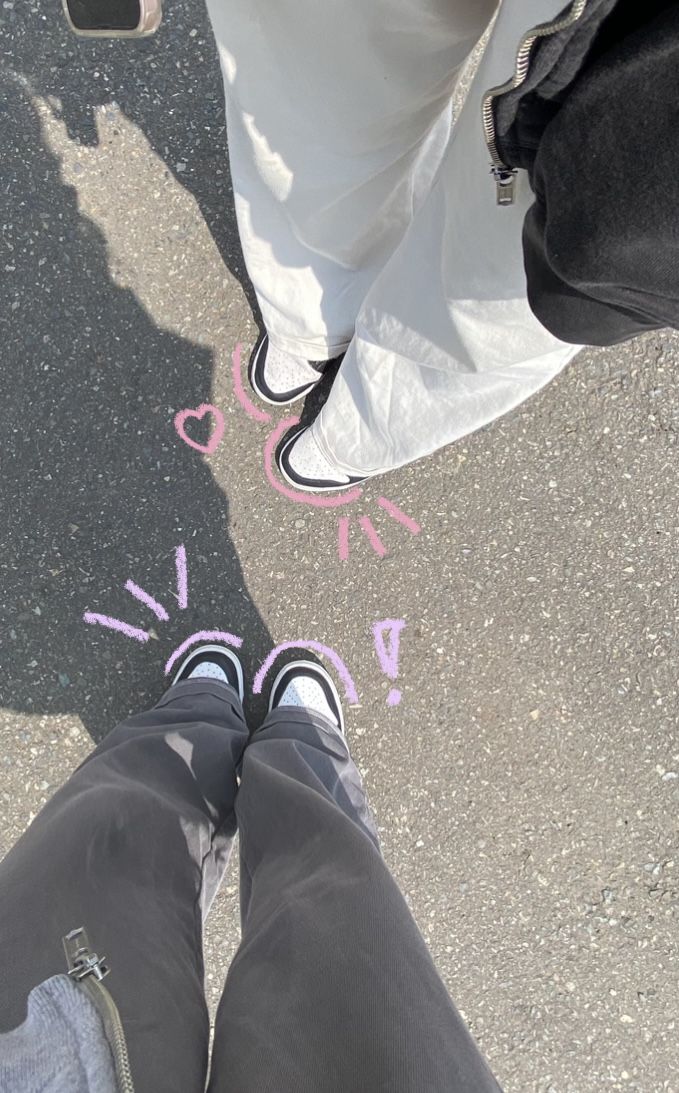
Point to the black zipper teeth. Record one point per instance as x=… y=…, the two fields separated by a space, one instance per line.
x=545 y=30
x=114 y=1027
x=86 y=970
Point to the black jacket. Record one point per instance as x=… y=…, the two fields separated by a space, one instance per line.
x=596 y=125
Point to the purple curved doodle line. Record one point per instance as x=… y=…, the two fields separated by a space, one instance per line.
x=318 y=502
x=202 y=635
x=217 y=433
x=250 y=409
x=342 y=670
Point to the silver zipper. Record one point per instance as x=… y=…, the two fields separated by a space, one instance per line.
x=505 y=176
x=87 y=970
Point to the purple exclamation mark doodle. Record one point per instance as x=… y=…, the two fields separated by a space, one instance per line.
x=387 y=635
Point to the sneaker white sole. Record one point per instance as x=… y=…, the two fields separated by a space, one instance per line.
x=311 y=668
x=283 y=401
x=334 y=488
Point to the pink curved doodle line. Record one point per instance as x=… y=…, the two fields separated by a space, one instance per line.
x=250 y=409
x=199 y=636
x=94 y=619
x=318 y=501
x=342 y=670
x=217 y=433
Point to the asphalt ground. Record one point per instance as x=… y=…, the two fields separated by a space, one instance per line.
x=527 y=783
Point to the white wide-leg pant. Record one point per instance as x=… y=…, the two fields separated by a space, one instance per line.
x=369 y=226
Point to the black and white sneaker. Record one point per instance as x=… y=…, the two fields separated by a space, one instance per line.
x=307 y=685
x=216 y=662
x=279 y=378
x=303 y=465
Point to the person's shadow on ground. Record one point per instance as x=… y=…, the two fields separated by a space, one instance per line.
x=95 y=488
x=169 y=85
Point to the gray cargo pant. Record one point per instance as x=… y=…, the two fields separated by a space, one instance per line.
x=332 y=989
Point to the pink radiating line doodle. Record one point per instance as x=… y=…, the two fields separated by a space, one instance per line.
x=201 y=636
x=93 y=619
x=343 y=538
x=373 y=538
x=217 y=432
x=143 y=597
x=250 y=409
x=318 y=501
x=387 y=635
x=182 y=579
x=397 y=514
x=315 y=500
x=342 y=670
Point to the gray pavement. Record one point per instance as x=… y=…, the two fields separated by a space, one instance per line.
x=527 y=785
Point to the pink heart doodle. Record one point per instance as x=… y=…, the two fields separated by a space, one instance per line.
x=216 y=435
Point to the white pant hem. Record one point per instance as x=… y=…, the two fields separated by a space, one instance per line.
x=313 y=349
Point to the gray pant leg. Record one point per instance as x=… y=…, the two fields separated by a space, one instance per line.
x=332 y=989
x=132 y=847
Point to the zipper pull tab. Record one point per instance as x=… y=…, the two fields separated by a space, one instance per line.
x=505 y=184
x=81 y=961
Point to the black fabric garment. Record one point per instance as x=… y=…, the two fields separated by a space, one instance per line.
x=557 y=61
x=332 y=989
x=595 y=125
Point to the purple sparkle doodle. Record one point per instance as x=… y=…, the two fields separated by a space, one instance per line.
x=387 y=635
x=94 y=619
x=182 y=579
x=143 y=597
